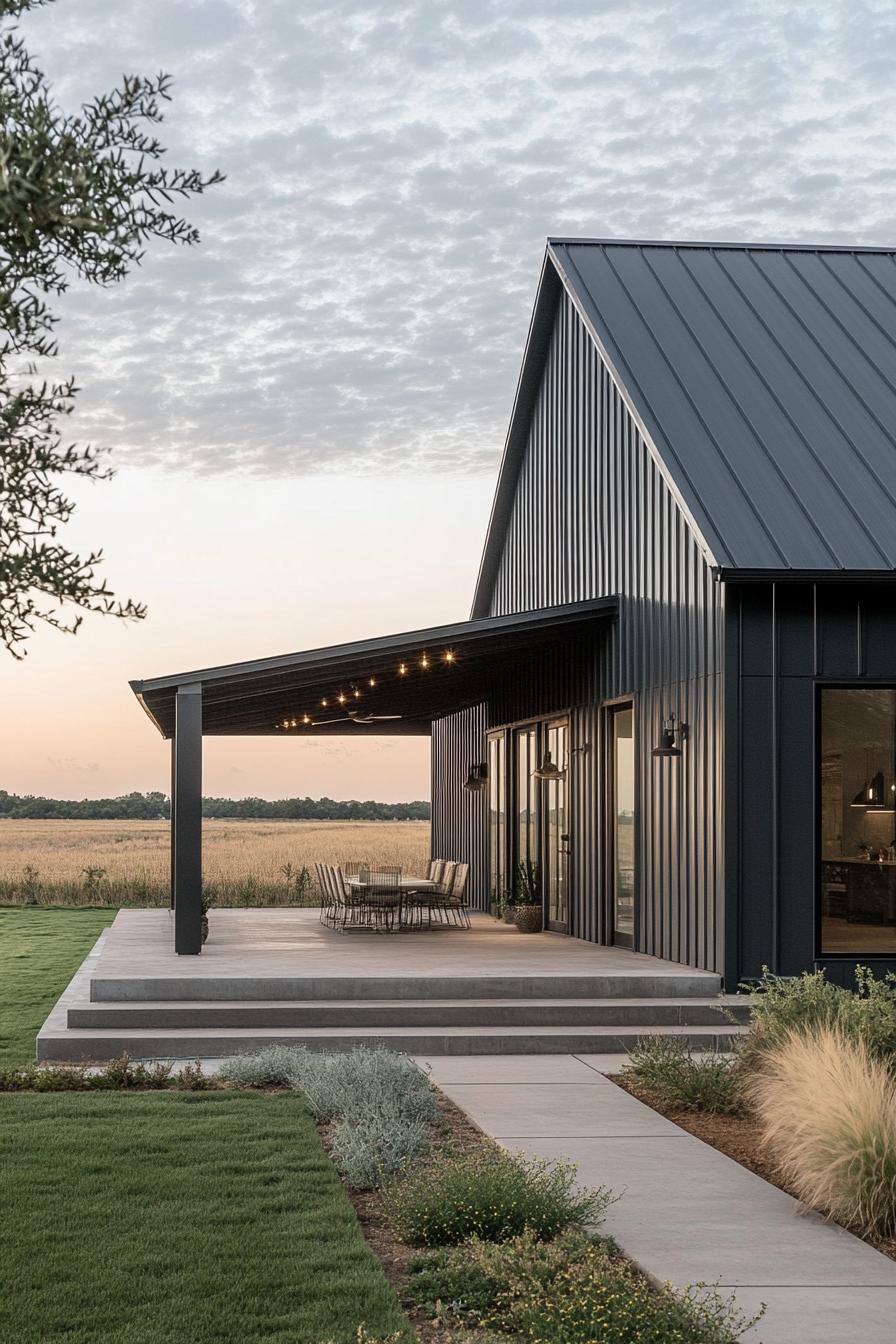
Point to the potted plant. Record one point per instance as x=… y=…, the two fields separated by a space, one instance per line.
x=527 y=907
x=208 y=900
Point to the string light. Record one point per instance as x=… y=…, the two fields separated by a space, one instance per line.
x=292 y=723
x=372 y=681
x=402 y=669
x=357 y=694
x=424 y=661
x=306 y=718
x=324 y=703
x=449 y=657
x=341 y=698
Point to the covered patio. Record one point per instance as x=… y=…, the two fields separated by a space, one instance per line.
x=397 y=684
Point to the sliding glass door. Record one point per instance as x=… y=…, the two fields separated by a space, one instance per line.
x=497 y=817
x=556 y=837
x=621 y=822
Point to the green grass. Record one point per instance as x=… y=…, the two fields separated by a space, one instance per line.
x=178 y=1218
x=40 y=950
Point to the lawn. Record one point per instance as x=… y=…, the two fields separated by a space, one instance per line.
x=40 y=950
x=178 y=1218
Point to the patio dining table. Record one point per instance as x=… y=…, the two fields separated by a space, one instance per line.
x=406 y=886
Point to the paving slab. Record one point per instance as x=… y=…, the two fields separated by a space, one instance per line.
x=687 y=1213
x=448 y=1069
x=516 y=1111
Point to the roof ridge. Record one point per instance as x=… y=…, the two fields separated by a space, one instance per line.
x=570 y=241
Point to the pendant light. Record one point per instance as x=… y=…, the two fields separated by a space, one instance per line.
x=668 y=744
x=548 y=770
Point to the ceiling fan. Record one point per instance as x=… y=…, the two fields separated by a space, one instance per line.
x=355 y=716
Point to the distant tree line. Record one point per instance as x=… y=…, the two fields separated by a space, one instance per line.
x=157 y=807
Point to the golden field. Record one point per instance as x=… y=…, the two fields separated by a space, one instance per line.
x=244 y=862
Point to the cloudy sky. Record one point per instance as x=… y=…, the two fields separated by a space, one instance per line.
x=288 y=403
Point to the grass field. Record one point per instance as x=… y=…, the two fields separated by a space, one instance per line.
x=247 y=862
x=40 y=950
x=163 y=1218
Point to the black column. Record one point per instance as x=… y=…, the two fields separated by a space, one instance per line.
x=173 y=809
x=187 y=826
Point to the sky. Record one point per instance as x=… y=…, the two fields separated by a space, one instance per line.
x=307 y=411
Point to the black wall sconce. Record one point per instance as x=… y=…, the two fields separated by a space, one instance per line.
x=671 y=737
x=477 y=779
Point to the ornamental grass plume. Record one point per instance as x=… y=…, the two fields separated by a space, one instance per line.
x=827 y=1109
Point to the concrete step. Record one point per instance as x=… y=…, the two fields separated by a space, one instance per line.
x=208 y=1042
x=206 y=988
x=396 y=1014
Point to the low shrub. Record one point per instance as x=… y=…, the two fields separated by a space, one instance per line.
x=356 y=1084
x=827 y=1109
x=275 y=1066
x=572 y=1290
x=118 y=1075
x=367 y=1150
x=492 y=1194
x=667 y=1070
x=810 y=1002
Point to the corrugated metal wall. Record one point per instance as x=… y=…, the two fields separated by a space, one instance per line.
x=593 y=516
x=459 y=814
x=784 y=640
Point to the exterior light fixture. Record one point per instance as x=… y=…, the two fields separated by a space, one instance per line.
x=548 y=771
x=477 y=779
x=670 y=737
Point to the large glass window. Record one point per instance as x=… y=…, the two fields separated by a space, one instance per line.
x=497 y=817
x=622 y=830
x=554 y=803
x=858 y=820
x=526 y=796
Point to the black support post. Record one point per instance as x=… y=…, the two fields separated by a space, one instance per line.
x=173 y=810
x=186 y=828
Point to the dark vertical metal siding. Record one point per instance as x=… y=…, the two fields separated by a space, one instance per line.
x=459 y=814
x=783 y=641
x=594 y=516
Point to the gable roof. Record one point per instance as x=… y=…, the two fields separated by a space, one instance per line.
x=763 y=379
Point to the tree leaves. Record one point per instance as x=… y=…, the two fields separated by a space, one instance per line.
x=80 y=195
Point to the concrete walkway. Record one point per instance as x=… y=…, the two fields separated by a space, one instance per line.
x=687 y=1213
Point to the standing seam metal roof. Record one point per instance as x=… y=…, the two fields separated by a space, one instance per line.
x=765 y=379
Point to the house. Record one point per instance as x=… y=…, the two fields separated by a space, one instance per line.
x=676 y=693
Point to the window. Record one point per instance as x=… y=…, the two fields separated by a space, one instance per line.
x=497 y=816
x=857 y=792
x=526 y=796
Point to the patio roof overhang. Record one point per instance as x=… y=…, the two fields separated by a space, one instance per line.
x=446 y=668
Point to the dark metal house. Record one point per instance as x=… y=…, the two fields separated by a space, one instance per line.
x=676 y=695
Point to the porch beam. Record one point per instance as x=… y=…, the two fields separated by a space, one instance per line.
x=186 y=823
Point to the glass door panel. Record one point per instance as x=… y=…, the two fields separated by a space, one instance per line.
x=497 y=818
x=622 y=825
x=525 y=748
x=554 y=808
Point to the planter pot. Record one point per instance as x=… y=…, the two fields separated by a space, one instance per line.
x=529 y=918
x=509 y=914
x=204 y=925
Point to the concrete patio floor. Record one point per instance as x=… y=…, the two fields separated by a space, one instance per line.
x=292 y=942
x=687 y=1213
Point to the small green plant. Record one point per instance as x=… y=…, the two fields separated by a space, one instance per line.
x=93 y=882
x=30 y=883
x=368 y=1149
x=526 y=884
x=117 y=1076
x=665 y=1068
x=275 y=1066
x=492 y=1194
x=573 y=1290
x=298 y=882
x=811 y=1002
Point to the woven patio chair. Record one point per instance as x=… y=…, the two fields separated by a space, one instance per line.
x=380 y=897
x=327 y=911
